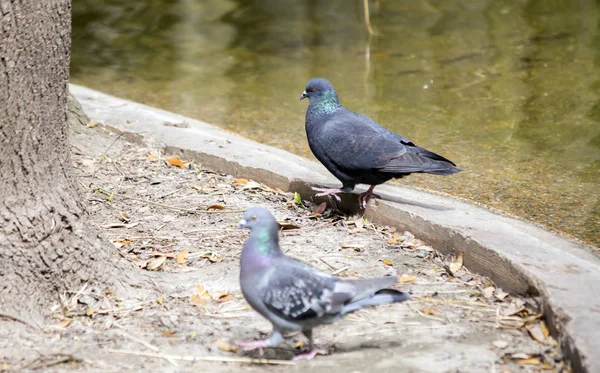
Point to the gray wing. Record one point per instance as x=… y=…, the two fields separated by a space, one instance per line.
x=297 y=292
x=355 y=142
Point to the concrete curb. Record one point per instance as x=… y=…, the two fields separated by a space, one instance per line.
x=518 y=256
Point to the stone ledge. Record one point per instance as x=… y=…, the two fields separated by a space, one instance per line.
x=518 y=256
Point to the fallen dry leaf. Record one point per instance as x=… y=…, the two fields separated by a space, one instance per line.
x=120 y=225
x=225 y=298
x=426 y=248
x=513 y=309
x=168 y=334
x=202 y=292
x=427 y=311
x=241 y=180
x=155 y=263
x=386 y=262
x=393 y=240
x=407 y=278
x=195 y=300
x=252 y=185
x=545 y=329
x=546 y=366
x=320 y=208
x=211 y=257
x=500 y=294
x=123 y=217
x=199 y=187
x=285 y=225
x=182 y=257
x=122 y=242
x=64 y=323
x=530 y=361
x=152 y=157
x=489 y=291
x=350 y=246
x=226 y=346
x=93 y=123
x=175 y=161
x=536 y=332
x=216 y=207
x=457 y=264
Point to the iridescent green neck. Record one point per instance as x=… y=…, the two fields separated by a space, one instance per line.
x=325 y=103
x=265 y=240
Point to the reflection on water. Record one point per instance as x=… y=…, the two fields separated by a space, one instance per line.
x=509 y=90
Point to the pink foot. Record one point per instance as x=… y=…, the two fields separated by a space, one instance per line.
x=254 y=345
x=363 y=197
x=310 y=354
x=328 y=192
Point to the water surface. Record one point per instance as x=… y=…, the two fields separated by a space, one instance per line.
x=509 y=90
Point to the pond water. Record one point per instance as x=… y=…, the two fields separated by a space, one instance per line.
x=508 y=90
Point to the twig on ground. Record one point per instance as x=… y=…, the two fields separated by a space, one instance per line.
x=124 y=334
x=169 y=193
x=328 y=265
x=14 y=318
x=113 y=310
x=73 y=301
x=191 y=211
x=40 y=363
x=241 y=360
x=424 y=315
x=219 y=316
x=337 y=272
x=142 y=342
x=453 y=301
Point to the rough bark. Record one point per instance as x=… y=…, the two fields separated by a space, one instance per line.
x=46 y=248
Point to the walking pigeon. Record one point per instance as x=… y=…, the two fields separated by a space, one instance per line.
x=293 y=296
x=357 y=150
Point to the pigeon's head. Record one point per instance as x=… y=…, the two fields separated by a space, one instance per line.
x=316 y=88
x=257 y=217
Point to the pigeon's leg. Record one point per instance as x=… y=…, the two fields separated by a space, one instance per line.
x=362 y=198
x=331 y=192
x=274 y=340
x=312 y=352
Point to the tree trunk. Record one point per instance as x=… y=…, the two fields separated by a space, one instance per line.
x=46 y=248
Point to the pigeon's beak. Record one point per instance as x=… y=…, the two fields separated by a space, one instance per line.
x=242 y=224
x=304 y=95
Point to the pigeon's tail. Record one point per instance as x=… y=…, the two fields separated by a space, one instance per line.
x=419 y=160
x=448 y=171
x=382 y=296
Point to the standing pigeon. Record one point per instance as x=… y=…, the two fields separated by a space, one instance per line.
x=356 y=149
x=293 y=296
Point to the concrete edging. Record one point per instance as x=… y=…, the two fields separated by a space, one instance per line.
x=520 y=257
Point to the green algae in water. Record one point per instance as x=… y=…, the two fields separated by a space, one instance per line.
x=509 y=91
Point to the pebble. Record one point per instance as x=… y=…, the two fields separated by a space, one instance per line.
x=500 y=344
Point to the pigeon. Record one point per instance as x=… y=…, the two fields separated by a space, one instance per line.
x=357 y=150
x=293 y=296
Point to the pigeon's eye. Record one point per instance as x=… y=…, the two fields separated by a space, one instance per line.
x=254 y=218
x=311 y=88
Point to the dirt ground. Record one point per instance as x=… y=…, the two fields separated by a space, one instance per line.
x=178 y=220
